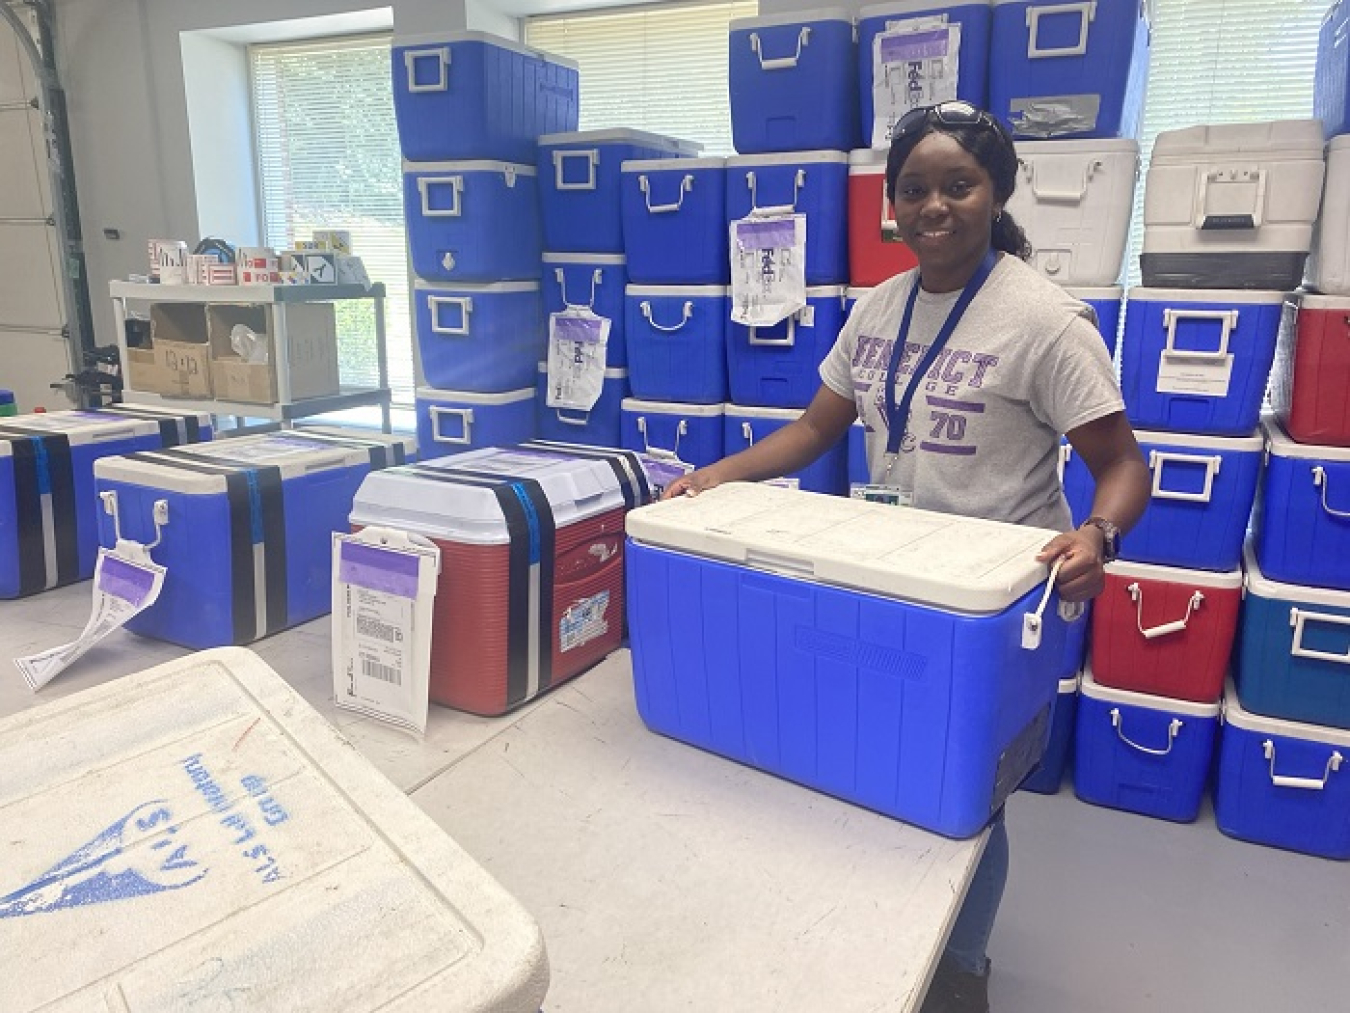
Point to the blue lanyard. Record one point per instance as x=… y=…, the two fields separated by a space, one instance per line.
x=897 y=415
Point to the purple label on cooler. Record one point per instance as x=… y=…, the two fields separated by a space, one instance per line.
x=929 y=45
x=125 y=580
x=775 y=234
x=378 y=569
x=585 y=330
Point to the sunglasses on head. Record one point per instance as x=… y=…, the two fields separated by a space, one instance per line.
x=952 y=114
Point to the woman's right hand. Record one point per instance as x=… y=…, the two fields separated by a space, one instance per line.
x=692 y=484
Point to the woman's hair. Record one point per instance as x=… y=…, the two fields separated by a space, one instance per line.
x=991 y=144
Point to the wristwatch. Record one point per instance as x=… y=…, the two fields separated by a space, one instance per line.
x=1110 y=537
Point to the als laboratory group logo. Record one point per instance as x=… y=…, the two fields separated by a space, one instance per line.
x=139 y=854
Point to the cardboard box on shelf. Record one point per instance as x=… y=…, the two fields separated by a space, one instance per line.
x=311 y=337
x=178 y=361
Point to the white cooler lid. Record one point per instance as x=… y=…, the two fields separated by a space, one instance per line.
x=1194 y=441
x=1107 y=293
x=1094 y=690
x=443 y=38
x=787 y=158
x=1338 y=143
x=1258 y=583
x=204 y=417
x=673 y=291
x=1278 y=140
x=1237 y=296
x=576 y=487
x=80 y=428
x=1225 y=580
x=473 y=165
x=623 y=135
x=958 y=563
x=671 y=164
x=1236 y=715
x=149 y=783
x=696 y=411
x=1080 y=147
x=1315 y=301
x=452 y=288
x=793 y=18
x=753 y=412
x=1280 y=444
x=867 y=161
x=903 y=7
x=474 y=398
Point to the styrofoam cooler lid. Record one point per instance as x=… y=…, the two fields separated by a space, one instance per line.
x=491 y=288
x=1314 y=301
x=1093 y=690
x=752 y=412
x=1105 y=293
x=443 y=38
x=671 y=164
x=1239 y=717
x=1078 y=147
x=788 y=158
x=912 y=6
x=697 y=411
x=587 y=259
x=792 y=18
x=1236 y=296
x=1194 y=441
x=1280 y=444
x=82 y=427
x=219 y=838
x=1222 y=580
x=610 y=374
x=676 y=291
x=576 y=488
x=474 y=398
x=1259 y=584
x=1281 y=140
x=622 y=135
x=867 y=161
x=963 y=564
x=472 y=165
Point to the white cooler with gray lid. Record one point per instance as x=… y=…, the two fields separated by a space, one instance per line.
x=197 y=837
x=900 y=659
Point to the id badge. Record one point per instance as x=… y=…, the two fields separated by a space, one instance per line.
x=887 y=494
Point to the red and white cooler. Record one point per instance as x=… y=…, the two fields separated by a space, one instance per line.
x=531 y=587
x=1312 y=370
x=875 y=251
x=1165 y=631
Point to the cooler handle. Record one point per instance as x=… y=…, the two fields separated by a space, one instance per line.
x=597 y=279
x=441 y=55
x=1173 y=729
x=685 y=317
x=1306 y=783
x=1228 y=319
x=1086 y=11
x=781 y=62
x=1153 y=632
x=786 y=341
x=1321 y=481
x=798 y=181
x=1061 y=196
x=748 y=433
x=159 y=515
x=1033 y=623
x=682 y=429
x=465 y=304
x=1065 y=456
x=456 y=184
x=1229 y=221
x=465 y=421
x=1158 y=458
x=686 y=185
x=592 y=160
x=572 y=420
x=1297 y=617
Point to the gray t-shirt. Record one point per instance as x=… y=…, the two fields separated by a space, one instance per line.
x=1025 y=364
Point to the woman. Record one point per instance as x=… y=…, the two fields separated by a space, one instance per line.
x=965 y=372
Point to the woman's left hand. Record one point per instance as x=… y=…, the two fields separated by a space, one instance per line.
x=1083 y=575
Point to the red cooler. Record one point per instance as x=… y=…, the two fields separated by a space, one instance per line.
x=531 y=585
x=1165 y=631
x=1312 y=370
x=875 y=251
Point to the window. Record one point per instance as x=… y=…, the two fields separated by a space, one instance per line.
x=661 y=68
x=1225 y=61
x=328 y=158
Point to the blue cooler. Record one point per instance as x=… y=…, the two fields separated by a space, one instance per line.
x=791 y=80
x=744 y=425
x=859 y=474
x=1332 y=76
x=1197 y=361
x=1069 y=69
x=248 y=541
x=691 y=433
x=472 y=221
x=1106 y=303
x=593 y=281
x=1142 y=753
x=48 y=510
x=600 y=426
x=1050 y=775
x=1079 y=486
x=972 y=79
x=579 y=192
x=814 y=183
x=1293 y=650
x=778 y=366
x=484 y=338
x=1304 y=534
x=1283 y=784
x=475 y=95
x=677 y=342
x=863 y=654
x=453 y=421
x=675 y=221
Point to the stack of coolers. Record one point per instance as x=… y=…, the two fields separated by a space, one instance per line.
x=794 y=118
x=583 y=193
x=470 y=109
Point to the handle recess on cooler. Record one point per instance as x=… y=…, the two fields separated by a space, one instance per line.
x=1087 y=12
x=466 y=424
x=1051 y=196
x=1322 y=481
x=1153 y=632
x=1173 y=730
x=787 y=341
x=1157 y=459
x=1304 y=783
x=681 y=429
x=798 y=181
x=1228 y=319
x=1297 y=618
x=456 y=184
x=1229 y=221
x=591 y=157
x=441 y=55
x=465 y=304
x=781 y=62
x=597 y=279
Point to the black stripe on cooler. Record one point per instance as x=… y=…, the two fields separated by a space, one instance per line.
x=28 y=517
x=272 y=494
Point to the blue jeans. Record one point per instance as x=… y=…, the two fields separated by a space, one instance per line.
x=975 y=924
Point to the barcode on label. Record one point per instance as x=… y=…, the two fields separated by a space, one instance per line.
x=385 y=673
x=368 y=627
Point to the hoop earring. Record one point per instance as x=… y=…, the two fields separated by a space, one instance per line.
x=998 y=217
